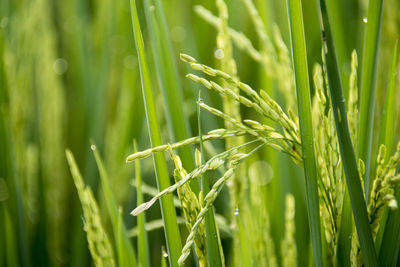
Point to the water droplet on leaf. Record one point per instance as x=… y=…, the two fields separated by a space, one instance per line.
x=219 y=54
x=130 y=62
x=60 y=66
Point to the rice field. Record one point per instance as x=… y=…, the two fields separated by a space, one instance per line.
x=199 y=133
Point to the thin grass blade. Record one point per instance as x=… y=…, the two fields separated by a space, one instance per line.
x=306 y=129
x=387 y=134
x=10 y=247
x=388 y=238
x=345 y=230
x=143 y=243
x=172 y=234
x=345 y=144
x=7 y=168
x=368 y=84
x=170 y=84
x=389 y=251
x=338 y=11
x=123 y=246
x=212 y=236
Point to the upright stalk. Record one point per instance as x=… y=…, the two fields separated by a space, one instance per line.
x=368 y=85
x=124 y=249
x=388 y=239
x=300 y=67
x=212 y=237
x=170 y=84
x=143 y=243
x=172 y=235
x=345 y=145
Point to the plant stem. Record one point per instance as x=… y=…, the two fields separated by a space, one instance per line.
x=172 y=234
x=212 y=237
x=346 y=148
x=368 y=85
x=300 y=67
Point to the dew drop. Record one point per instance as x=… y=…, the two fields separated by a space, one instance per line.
x=200 y=101
x=130 y=62
x=236 y=212
x=219 y=54
x=152 y=7
x=165 y=254
x=60 y=66
x=93 y=147
x=365 y=19
x=260 y=173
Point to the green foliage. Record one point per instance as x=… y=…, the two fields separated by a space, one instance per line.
x=299 y=55
x=350 y=166
x=172 y=235
x=123 y=247
x=282 y=172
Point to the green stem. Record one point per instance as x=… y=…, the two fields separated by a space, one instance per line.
x=306 y=128
x=368 y=85
x=172 y=235
x=345 y=230
x=143 y=243
x=388 y=238
x=169 y=81
x=212 y=237
x=125 y=253
x=345 y=144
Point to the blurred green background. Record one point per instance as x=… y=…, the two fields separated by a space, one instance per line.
x=69 y=76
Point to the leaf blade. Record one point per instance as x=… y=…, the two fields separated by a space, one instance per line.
x=389 y=236
x=124 y=248
x=172 y=234
x=306 y=129
x=368 y=87
x=350 y=166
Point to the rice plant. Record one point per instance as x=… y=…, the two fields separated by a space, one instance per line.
x=272 y=125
